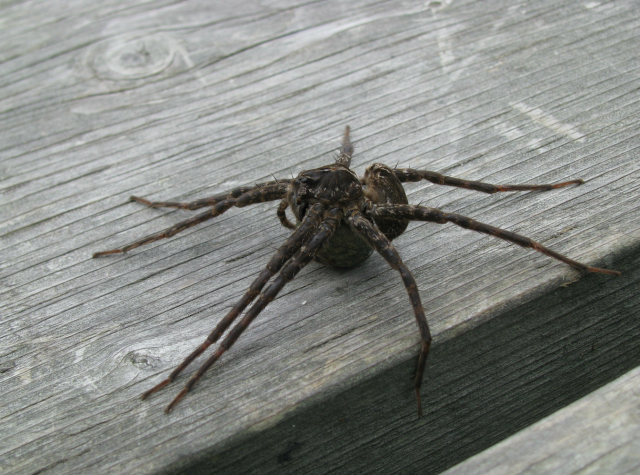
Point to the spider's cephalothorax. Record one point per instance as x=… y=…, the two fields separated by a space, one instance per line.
x=332 y=185
x=341 y=220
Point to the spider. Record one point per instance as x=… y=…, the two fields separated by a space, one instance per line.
x=341 y=220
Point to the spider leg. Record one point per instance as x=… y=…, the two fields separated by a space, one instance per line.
x=411 y=175
x=211 y=200
x=284 y=204
x=292 y=245
x=384 y=247
x=254 y=195
x=346 y=150
x=422 y=213
x=325 y=230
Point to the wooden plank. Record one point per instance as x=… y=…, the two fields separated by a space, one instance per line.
x=600 y=433
x=177 y=100
x=484 y=385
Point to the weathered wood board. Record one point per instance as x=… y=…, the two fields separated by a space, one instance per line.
x=600 y=433
x=180 y=100
x=484 y=385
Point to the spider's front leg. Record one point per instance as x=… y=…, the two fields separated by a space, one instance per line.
x=330 y=221
x=301 y=235
x=411 y=175
x=245 y=196
x=422 y=213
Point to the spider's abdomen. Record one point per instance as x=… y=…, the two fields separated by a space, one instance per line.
x=345 y=249
x=383 y=187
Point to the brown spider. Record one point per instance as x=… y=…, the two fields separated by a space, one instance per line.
x=341 y=220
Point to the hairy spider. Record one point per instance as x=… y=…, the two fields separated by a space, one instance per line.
x=341 y=219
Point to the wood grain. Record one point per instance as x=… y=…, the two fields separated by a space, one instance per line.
x=179 y=100
x=600 y=433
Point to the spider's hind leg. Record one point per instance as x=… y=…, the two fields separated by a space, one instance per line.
x=346 y=149
x=422 y=213
x=255 y=194
x=411 y=175
x=210 y=200
x=175 y=229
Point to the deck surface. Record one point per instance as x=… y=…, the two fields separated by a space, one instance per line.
x=599 y=433
x=180 y=100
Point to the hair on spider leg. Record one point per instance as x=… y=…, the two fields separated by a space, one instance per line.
x=341 y=220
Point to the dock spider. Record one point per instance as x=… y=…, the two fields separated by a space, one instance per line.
x=341 y=219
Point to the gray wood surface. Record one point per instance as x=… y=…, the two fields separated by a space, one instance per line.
x=598 y=434
x=179 y=100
